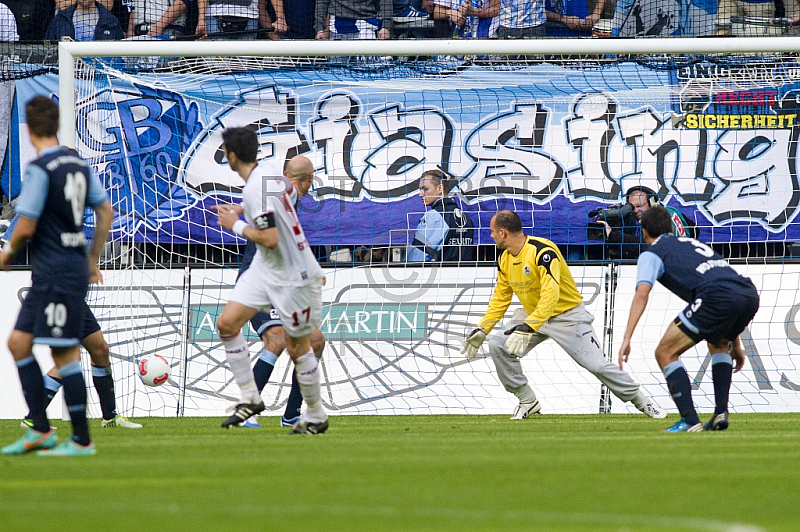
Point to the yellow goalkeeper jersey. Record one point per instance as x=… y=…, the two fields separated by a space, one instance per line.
x=540 y=278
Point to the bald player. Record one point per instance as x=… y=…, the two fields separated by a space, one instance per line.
x=534 y=270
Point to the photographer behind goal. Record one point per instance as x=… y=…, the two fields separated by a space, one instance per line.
x=619 y=226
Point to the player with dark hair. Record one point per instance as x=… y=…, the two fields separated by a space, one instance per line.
x=284 y=275
x=300 y=172
x=552 y=307
x=721 y=304
x=445 y=232
x=57 y=186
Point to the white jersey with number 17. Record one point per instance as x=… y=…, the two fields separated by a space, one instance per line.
x=267 y=203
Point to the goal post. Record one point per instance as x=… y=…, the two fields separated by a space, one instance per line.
x=562 y=129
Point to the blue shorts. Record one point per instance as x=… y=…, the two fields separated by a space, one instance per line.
x=90 y=325
x=263 y=321
x=54 y=316
x=720 y=312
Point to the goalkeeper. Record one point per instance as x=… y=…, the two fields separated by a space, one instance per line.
x=534 y=269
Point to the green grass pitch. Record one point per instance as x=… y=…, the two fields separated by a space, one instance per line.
x=593 y=473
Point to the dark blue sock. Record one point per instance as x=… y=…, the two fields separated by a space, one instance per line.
x=681 y=391
x=295 y=402
x=75 y=396
x=262 y=372
x=30 y=376
x=722 y=373
x=104 y=385
x=51 y=387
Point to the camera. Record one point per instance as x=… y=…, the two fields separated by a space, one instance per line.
x=621 y=215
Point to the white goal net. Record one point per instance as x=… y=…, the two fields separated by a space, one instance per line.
x=553 y=130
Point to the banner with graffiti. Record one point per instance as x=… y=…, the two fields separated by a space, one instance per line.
x=551 y=141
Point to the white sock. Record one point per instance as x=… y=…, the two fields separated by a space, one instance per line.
x=239 y=361
x=307 y=369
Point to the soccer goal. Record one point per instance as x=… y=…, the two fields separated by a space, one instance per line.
x=552 y=129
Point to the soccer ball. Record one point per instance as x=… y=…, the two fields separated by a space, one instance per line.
x=153 y=370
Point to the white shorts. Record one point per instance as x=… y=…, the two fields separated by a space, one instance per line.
x=299 y=307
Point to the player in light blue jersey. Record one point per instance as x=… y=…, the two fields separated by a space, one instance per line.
x=57 y=187
x=720 y=305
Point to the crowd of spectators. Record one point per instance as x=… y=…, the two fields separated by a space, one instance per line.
x=38 y=20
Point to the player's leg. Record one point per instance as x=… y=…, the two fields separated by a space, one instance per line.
x=294 y=403
x=39 y=434
x=269 y=329
x=20 y=344
x=102 y=376
x=727 y=357
x=573 y=331
x=300 y=309
x=722 y=376
x=52 y=383
x=229 y=326
x=673 y=344
x=68 y=362
x=264 y=324
x=509 y=371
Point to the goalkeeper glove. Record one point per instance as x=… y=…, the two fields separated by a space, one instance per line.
x=473 y=343
x=520 y=336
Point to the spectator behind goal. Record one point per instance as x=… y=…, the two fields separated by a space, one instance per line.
x=86 y=20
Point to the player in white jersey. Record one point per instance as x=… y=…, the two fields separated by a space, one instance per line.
x=284 y=275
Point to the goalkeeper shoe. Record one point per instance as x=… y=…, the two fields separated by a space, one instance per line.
x=119 y=421
x=70 y=448
x=651 y=409
x=241 y=412
x=32 y=440
x=251 y=423
x=683 y=426
x=717 y=422
x=289 y=422
x=304 y=426
x=526 y=410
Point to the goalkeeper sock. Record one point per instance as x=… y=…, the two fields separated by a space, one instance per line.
x=525 y=394
x=103 y=382
x=295 y=402
x=722 y=374
x=30 y=376
x=307 y=369
x=239 y=362
x=262 y=371
x=75 y=397
x=681 y=391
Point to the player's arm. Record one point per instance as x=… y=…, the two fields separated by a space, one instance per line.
x=498 y=304
x=265 y=232
x=737 y=354
x=24 y=229
x=35 y=184
x=104 y=216
x=649 y=269
x=548 y=267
